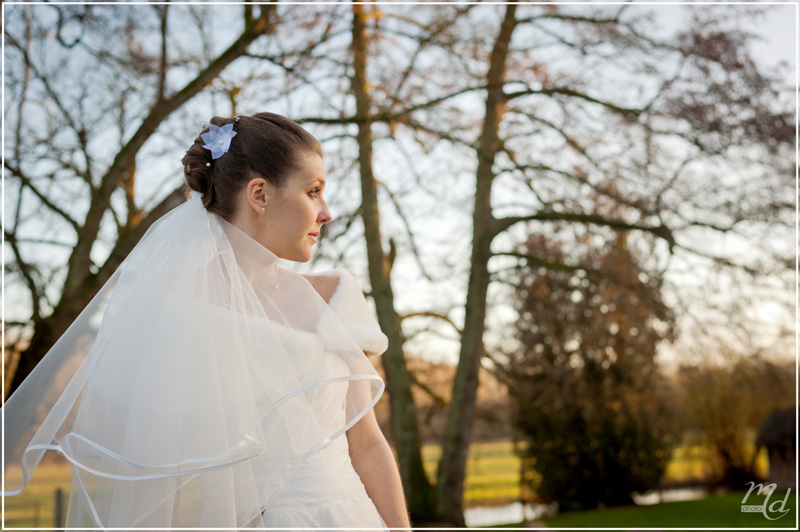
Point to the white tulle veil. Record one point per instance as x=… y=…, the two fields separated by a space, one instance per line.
x=198 y=356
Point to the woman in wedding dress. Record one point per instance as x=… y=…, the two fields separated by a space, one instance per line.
x=207 y=386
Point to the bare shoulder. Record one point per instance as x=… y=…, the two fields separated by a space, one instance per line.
x=325 y=285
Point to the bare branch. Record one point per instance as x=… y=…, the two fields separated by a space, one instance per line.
x=441 y=401
x=433 y=314
x=26 y=270
x=628 y=113
x=539 y=261
x=26 y=181
x=501 y=224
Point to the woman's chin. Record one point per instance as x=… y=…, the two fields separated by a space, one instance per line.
x=300 y=255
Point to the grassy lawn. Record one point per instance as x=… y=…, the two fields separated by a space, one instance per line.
x=492 y=478
x=35 y=506
x=711 y=511
x=493 y=470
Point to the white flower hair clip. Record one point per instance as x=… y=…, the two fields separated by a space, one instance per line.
x=218 y=139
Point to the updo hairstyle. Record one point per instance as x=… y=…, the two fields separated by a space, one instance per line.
x=266 y=145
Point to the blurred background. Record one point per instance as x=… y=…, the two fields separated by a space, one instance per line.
x=575 y=224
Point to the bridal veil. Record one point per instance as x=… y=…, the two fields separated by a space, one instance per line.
x=196 y=357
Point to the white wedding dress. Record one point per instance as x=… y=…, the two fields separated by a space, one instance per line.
x=204 y=386
x=325 y=490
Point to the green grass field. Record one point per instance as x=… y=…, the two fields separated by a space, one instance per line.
x=493 y=470
x=712 y=511
x=492 y=479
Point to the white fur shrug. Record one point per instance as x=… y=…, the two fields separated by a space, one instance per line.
x=350 y=305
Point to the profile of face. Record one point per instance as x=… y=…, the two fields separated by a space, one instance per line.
x=292 y=216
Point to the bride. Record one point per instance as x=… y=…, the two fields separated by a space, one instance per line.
x=207 y=386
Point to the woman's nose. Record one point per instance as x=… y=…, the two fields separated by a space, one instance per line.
x=325 y=215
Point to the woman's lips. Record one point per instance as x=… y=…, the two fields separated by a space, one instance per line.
x=313 y=236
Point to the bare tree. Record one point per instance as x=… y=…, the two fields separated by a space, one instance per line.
x=378 y=102
x=407 y=440
x=558 y=124
x=560 y=119
x=71 y=143
x=726 y=405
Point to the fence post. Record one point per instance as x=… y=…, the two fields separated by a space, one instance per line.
x=59 y=515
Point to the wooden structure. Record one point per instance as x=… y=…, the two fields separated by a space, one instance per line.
x=779 y=435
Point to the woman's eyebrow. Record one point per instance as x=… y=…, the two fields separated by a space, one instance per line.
x=317 y=180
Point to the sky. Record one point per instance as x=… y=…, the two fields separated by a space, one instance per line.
x=778 y=30
x=779 y=33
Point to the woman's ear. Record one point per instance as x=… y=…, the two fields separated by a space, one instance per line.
x=257 y=191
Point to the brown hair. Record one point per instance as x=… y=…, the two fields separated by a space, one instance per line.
x=266 y=145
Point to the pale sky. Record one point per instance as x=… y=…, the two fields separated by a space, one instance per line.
x=779 y=31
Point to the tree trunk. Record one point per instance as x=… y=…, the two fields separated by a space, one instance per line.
x=407 y=441
x=452 y=467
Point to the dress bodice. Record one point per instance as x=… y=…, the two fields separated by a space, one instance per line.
x=325 y=490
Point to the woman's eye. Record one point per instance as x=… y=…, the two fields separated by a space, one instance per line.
x=314 y=192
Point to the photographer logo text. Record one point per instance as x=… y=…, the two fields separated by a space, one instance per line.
x=776 y=508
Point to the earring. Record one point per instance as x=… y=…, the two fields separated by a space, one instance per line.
x=262 y=209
